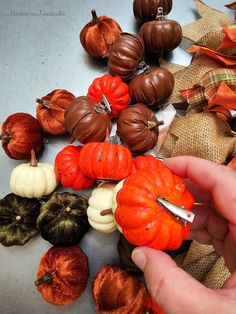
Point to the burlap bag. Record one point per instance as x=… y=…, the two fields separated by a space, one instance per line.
x=202 y=135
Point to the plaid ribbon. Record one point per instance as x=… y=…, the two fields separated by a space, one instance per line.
x=201 y=97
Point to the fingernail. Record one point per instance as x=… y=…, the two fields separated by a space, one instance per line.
x=139 y=258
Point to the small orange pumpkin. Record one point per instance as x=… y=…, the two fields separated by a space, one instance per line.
x=51 y=108
x=143 y=220
x=142 y=162
x=62 y=274
x=98 y=35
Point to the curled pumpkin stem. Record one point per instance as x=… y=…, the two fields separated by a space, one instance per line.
x=95 y=19
x=46 y=279
x=5 y=137
x=153 y=124
x=44 y=103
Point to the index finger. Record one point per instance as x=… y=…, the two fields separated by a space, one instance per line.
x=219 y=180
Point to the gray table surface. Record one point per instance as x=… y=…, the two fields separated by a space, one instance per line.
x=40 y=51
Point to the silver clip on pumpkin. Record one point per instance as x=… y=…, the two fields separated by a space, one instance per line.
x=182 y=215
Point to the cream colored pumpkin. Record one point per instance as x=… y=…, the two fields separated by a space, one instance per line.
x=33 y=180
x=114 y=203
x=100 y=200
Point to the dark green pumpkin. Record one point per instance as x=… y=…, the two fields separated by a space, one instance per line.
x=125 y=250
x=18 y=219
x=63 y=218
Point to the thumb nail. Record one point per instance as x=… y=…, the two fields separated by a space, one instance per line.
x=139 y=258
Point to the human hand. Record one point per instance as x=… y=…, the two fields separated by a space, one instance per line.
x=215 y=223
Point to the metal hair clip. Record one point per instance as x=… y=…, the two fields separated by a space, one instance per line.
x=183 y=216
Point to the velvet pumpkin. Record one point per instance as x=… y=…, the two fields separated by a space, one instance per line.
x=67 y=169
x=62 y=274
x=33 y=180
x=145 y=10
x=115 y=91
x=116 y=291
x=18 y=217
x=138 y=128
x=86 y=120
x=51 y=108
x=161 y=35
x=21 y=133
x=98 y=35
x=152 y=86
x=105 y=161
x=63 y=219
x=143 y=220
x=126 y=55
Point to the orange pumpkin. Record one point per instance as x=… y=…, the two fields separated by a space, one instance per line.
x=232 y=163
x=51 y=108
x=67 y=169
x=62 y=274
x=143 y=220
x=105 y=160
x=142 y=162
x=98 y=35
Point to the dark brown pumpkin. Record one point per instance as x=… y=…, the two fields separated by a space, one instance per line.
x=138 y=128
x=161 y=35
x=62 y=274
x=145 y=10
x=125 y=55
x=87 y=121
x=152 y=86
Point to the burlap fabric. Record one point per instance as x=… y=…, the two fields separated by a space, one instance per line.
x=202 y=135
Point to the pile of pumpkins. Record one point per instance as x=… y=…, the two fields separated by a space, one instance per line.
x=126 y=197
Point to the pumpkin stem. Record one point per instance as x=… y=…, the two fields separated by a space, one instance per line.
x=47 y=278
x=44 y=103
x=5 y=137
x=107 y=138
x=95 y=19
x=33 y=160
x=160 y=14
x=106 y=212
x=153 y=124
x=143 y=67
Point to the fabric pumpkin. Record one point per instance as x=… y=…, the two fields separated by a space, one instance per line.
x=128 y=294
x=62 y=274
x=105 y=161
x=50 y=110
x=98 y=35
x=161 y=35
x=87 y=121
x=21 y=133
x=33 y=180
x=18 y=216
x=67 y=169
x=63 y=219
x=99 y=211
x=152 y=86
x=138 y=128
x=143 y=220
x=126 y=55
x=145 y=10
x=115 y=91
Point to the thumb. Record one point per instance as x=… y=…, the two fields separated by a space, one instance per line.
x=173 y=289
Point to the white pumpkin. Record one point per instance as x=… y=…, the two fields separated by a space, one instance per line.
x=33 y=180
x=117 y=188
x=99 y=211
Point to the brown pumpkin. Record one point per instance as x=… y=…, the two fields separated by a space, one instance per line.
x=126 y=54
x=21 y=133
x=152 y=86
x=86 y=120
x=51 y=108
x=161 y=35
x=116 y=291
x=62 y=274
x=145 y=10
x=138 y=128
x=98 y=35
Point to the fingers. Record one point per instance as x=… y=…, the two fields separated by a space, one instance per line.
x=173 y=289
x=219 y=180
